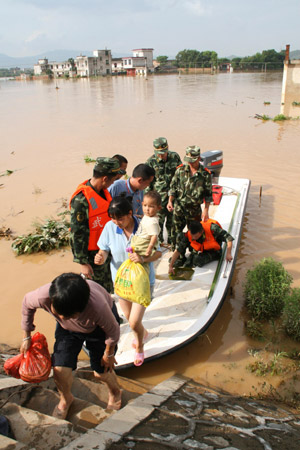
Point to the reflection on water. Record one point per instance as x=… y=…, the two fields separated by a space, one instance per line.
x=46 y=132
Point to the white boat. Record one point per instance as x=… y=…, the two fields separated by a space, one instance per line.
x=182 y=310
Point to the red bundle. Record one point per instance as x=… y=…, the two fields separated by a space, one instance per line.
x=35 y=366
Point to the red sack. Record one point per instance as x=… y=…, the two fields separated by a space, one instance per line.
x=12 y=365
x=35 y=366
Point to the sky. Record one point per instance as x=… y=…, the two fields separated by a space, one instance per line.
x=229 y=27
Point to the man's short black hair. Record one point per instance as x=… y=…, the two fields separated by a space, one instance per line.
x=143 y=171
x=195 y=227
x=69 y=294
x=121 y=159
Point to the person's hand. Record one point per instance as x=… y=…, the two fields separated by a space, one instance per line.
x=25 y=345
x=108 y=361
x=148 y=251
x=170 y=206
x=229 y=256
x=134 y=257
x=171 y=269
x=86 y=270
x=99 y=259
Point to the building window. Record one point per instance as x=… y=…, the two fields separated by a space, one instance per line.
x=107 y=62
x=125 y=62
x=129 y=61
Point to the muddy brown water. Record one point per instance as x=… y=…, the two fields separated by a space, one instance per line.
x=46 y=132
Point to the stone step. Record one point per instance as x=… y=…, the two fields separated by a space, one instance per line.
x=37 y=430
x=7 y=443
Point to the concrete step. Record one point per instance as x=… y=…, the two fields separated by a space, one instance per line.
x=29 y=408
x=37 y=430
x=7 y=443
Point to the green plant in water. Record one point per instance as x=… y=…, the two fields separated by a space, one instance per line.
x=88 y=159
x=267 y=103
x=267 y=284
x=291 y=314
x=280 y=117
x=255 y=330
x=48 y=236
x=296 y=103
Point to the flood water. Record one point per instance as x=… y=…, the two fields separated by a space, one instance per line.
x=45 y=133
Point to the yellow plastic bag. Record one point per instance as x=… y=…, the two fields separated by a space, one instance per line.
x=132 y=283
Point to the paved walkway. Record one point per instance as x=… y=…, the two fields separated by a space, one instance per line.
x=181 y=414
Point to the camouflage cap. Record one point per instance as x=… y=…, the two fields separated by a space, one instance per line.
x=192 y=153
x=161 y=145
x=107 y=166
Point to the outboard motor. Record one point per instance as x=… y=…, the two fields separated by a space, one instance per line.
x=213 y=161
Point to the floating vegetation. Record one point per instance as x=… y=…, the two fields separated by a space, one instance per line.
x=267 y=103
x=6 y=173
x=281 y=117
x=52 y=234
x=278 y=118
x=6 y=233
x=296 y=103
x=88 y=159
x=274 y=366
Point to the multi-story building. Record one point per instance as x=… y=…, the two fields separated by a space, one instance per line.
x=85 y=66
x=98 y=64
x=140 y=63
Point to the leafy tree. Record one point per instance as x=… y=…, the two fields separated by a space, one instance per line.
x=49 y=73
x=162 y=60
x=72 y=62
x=188 y=58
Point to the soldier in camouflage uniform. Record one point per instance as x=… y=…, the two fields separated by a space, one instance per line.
x=199 y=256
x=190 y=187
x=89 y=213
x=165 y=163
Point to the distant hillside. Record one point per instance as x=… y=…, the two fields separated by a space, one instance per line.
x=295 y=54
x=26 y=62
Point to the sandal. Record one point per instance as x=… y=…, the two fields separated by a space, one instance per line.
x=138 y=359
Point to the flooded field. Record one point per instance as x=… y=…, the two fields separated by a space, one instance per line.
x=46 y=132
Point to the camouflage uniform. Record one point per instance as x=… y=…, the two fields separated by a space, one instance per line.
x=189 y=193
x=199 y=259
x=80 y=232
x=164 y=172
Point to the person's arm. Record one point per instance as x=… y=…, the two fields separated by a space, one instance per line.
x=108 y=358
x=153 y=242
x=100 y=257
x=33 y=300
x=170 y=206
x=174 y=258
x=145 y=259
x=205 y=215
x=228 y=251
x=80 y=234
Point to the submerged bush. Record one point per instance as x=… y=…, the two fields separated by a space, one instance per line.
x=291 y=314
x=266 y=287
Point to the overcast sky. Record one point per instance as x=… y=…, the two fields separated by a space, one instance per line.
x=230 y=27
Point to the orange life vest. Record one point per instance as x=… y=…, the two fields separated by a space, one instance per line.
x=98 y=211
x=209 y=243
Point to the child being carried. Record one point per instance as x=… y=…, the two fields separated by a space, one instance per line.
x=145 y=241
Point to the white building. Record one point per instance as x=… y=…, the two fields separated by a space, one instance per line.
x=85 y=66
x=140 y=63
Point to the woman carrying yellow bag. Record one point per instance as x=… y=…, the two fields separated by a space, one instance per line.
x=115 y=238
